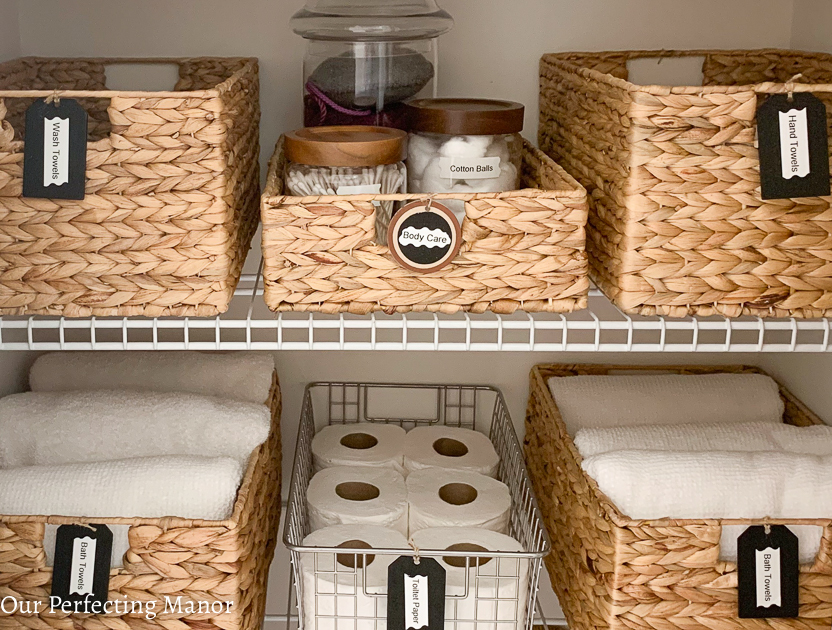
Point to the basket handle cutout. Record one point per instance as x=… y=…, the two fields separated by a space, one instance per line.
x=151 y=77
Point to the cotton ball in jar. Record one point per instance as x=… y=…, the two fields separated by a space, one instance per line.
x=499 y=149
x=420 y=151
x=432 y=180
x=465 y=147
x=506 y=180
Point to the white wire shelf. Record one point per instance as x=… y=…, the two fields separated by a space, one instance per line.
x=249 y=325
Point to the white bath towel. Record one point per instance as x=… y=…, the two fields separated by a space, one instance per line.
x=626 y=399
x=243 y=376
x=739 y=436
x=716 y=485
x=40 y=428
x=151 y=487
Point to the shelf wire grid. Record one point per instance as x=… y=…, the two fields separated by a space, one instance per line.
x=249 y=325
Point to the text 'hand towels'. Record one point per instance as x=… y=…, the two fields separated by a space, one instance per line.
x=440 y=497
x=450 y=447
x=70 y=427
x=494 y=597
x=360 y=444
x=589 y=401
x=245 y=376
x=357 y=495
x=334 y=585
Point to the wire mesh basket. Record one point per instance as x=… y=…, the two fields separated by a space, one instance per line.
x=496 y=590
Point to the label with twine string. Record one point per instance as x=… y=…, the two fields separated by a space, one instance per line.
x=793 y=144
x=767 y=572
x=55 y=149
x=424 y=236
x=81 y=571
x=415 y=594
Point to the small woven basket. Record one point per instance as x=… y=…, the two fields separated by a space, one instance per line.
x=613 y=572
x=521 y=250
x=171 y=193
x=677 y=225
x=197 y=560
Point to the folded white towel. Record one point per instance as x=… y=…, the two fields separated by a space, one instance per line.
x=236 y=375
x=87 y=426
x=739 y=436
x=146 y=487
x=626 y=399
x=716 y=485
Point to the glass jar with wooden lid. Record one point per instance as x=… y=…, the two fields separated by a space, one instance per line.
x=464 y=145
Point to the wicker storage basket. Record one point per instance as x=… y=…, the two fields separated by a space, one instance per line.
x=171 y=192
x=199 y=561
x=520 y=250
x=610 y=571
x=677 y=224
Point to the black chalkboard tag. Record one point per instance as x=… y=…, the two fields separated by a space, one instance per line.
x=81 y=572
x=415 y=594
x=793 y=145
x=424 y=236
x=55 y=151
x=767 y=572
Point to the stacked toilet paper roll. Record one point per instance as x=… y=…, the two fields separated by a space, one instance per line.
x=496 y=587
x=450 y=447
x=359 y=444
x=334 y=584
x=439 y=497
x=357 y=495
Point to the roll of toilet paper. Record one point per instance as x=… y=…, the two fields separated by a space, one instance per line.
x=439 y=497
x=450 y=447
x=362 y=444
x=358 y=495
x=497 y=587
x=334 y=590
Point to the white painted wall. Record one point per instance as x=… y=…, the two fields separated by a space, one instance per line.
x=492 y=52
x=811 y=25
x=9 y=32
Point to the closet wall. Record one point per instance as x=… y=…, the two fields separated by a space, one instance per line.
x=493 y=52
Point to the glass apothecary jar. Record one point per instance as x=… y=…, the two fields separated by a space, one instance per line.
x=464 y=145
x=347 y=160
x=365 y=59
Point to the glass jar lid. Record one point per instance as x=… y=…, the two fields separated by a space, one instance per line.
x=371 y=20
x=465 y=116
x=346 y=146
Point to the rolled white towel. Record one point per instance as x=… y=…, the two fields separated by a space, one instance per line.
x=739 y=436
x=147 y=487
x=39 y=428
x=243 y=376
x=683 y=485
x=589 y=401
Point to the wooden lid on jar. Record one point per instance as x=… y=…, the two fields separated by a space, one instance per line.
x=465 y=116
x=346 y=146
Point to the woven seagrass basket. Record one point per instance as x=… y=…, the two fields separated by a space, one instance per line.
x=172 y=189
x=521 y=250
x=197 y=560
x=613 y=572
x=677 y=224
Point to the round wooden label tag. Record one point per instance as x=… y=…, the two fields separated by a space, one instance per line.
x=424 y=236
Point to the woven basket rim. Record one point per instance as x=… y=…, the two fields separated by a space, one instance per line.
x=272 y=194
x=256 y=460
x=540 y=375
x=215 y=91
x=567 y=60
